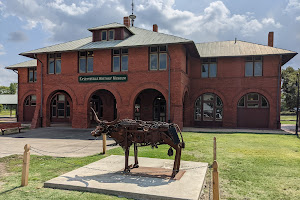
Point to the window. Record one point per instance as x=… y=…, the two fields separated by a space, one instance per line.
x=111 y=35
x=253 y=100
x=158 y=58
x=253 y=66
x=54 y=63
x=209 y=67
x=32 y=75
x=60 y=107
x=104 y=35
x=86 y=61
x=208 y=107
x=30 y=100
x=120 y=60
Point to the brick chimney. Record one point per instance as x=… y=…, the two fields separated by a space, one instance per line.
x=270 y=39
x=126 y=21
x=155 y=28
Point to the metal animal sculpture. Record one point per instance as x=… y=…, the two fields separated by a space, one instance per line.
x=143 y=133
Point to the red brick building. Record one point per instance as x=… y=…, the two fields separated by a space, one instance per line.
x=141 y=74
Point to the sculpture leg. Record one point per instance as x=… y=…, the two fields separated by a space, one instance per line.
x=126 y=159
x=126 y=169
x=136 y=162
x=176 y=162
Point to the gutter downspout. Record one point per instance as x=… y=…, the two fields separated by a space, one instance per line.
x=169 y=86
x=41 y=110
x=278 y=93
x=17 y=108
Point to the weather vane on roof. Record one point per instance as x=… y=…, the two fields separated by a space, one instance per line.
x=132 y=16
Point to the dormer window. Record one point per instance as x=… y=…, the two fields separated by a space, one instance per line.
x=111 y=34
x=104 y=35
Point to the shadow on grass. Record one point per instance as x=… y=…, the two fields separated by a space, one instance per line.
x=10 y=190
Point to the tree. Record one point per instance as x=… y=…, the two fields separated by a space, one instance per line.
x=4 y=90
x=13 y=88
x=289 y=88
x=1 y=108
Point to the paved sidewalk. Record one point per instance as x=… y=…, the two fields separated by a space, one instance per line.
x=54 y=141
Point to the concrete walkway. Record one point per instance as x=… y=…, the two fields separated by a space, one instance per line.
x=54 y=141
x=70 y=142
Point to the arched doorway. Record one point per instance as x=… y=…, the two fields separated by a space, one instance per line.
x=208 y=111
x=105 y=105
x=61 y=108
x=150 y=105
x=29 y=108
x=253 y=111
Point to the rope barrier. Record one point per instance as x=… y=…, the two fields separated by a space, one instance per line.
x=55 y=157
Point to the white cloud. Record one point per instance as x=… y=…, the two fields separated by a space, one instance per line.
x=7 y=76
x=293 y=5
x=65 y=20
x=2 y=52
x=215 y=20
x=30 y=24
x=72 y=9
x=271 y=21
x=298 y=18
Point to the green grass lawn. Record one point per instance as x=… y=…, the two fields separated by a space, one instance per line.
x=7 y=112
x=284 y=119
x=251 y=166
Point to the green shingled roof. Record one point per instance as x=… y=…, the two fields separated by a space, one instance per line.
x=238 y=48
x=140 y=37
x=107 y=26
x=26 y=64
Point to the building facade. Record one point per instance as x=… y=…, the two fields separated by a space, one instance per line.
x=129 y=72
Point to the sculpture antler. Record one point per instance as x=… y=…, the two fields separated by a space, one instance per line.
x=97 y=119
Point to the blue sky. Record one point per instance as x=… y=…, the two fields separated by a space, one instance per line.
x=30 y=24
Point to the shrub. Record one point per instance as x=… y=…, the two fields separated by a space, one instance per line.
x=1 y=107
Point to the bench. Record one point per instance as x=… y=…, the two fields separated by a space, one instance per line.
x=7 y=126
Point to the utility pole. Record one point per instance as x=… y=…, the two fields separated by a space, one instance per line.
x=297 y=119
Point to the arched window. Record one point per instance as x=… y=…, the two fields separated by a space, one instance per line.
x=60 y=107
x=208 y=107
x=253 y=100
x=30 y=100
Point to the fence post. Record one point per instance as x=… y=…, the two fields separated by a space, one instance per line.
x=215 y=148
x=104 y=143
x=216 y=195
x=25 y=169
x=216 y=189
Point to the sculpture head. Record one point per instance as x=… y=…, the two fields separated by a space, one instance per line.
x=103 y=126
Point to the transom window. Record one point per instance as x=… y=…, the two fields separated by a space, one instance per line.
x=158 y=58
x=30 y=100
x=209 y=67
x=120 y=60
x=86 y=61
x=54 y=63
x=253 y=100
x=32 y=75
x=208 y=107
x=253 y=66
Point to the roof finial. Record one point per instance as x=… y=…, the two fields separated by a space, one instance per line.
x=132 y=16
